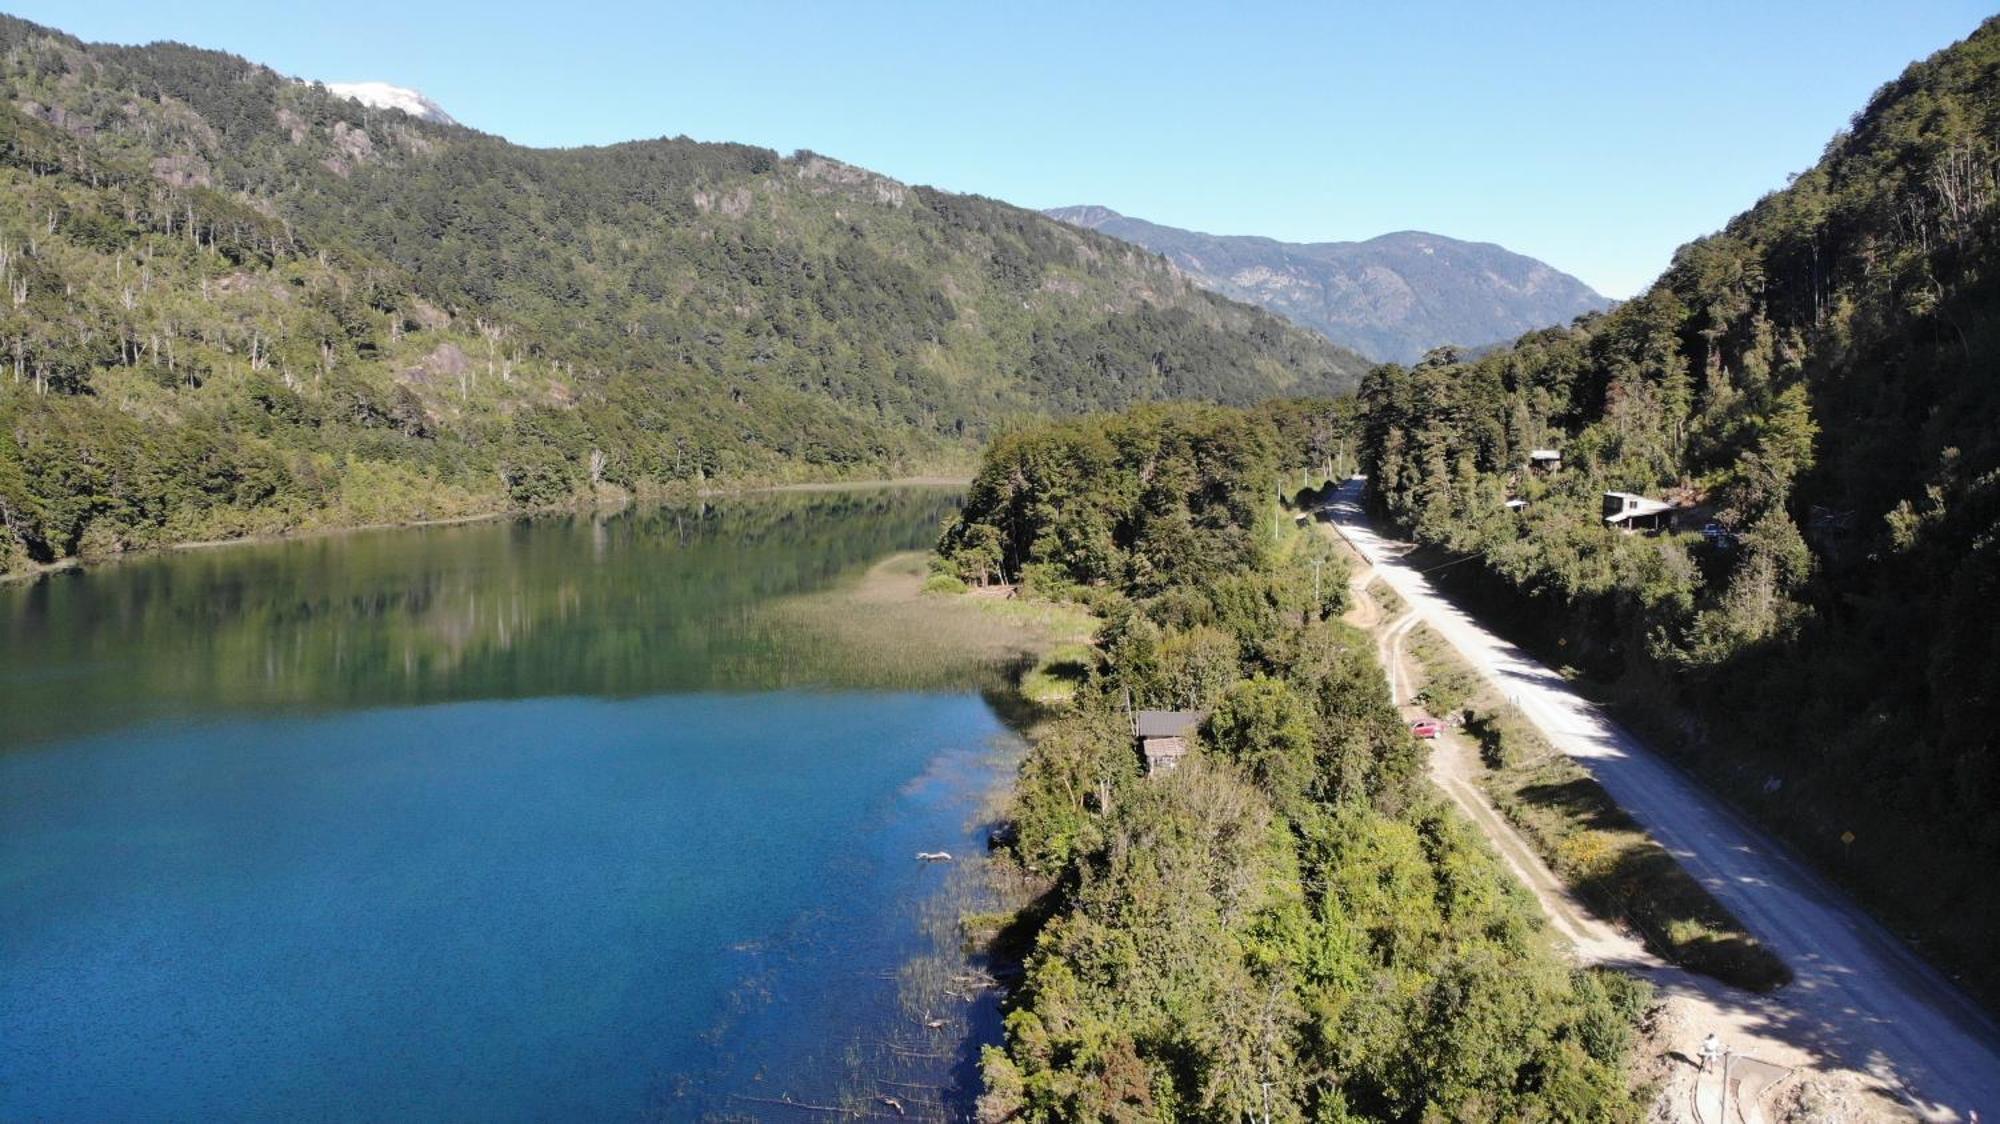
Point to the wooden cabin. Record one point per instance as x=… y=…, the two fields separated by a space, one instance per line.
x=1164 y=737
x=1629 y=511
x=1545 y=460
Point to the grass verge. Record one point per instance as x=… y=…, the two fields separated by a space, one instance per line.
x=1586 y=838
x=1386 y=599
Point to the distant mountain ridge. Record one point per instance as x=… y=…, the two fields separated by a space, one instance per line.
x=1392 y=297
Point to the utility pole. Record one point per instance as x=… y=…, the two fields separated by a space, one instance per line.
x=1727 y=1057
x=1316 y=564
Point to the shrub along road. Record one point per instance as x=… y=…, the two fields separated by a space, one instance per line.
x=1861 y=998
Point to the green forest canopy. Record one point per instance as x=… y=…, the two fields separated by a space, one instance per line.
x=1291 y=922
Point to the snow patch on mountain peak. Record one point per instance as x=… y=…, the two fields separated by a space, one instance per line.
x=382 y=95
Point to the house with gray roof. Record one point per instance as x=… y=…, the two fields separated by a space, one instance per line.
x=1164 y=737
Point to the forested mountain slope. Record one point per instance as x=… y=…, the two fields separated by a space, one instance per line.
x=1819 y=379
x=236 y=302
x=1392 y=297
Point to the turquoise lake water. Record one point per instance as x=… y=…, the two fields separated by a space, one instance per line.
x=541 y=820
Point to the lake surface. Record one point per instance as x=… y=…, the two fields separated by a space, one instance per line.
x=551 y=819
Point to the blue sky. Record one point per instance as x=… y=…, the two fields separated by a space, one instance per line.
x=1595 y=137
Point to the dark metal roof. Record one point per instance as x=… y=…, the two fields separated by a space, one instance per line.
x=1165 y=723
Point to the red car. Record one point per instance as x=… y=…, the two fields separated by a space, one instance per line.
x=1426 y=728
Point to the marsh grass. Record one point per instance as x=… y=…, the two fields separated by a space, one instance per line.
x=950 y=995
x=881 y=629
x=1056 y=676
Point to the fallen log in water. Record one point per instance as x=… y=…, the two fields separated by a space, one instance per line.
x=803 y=1106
